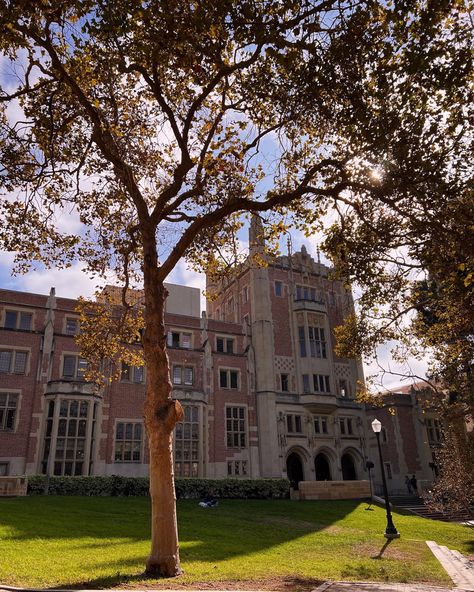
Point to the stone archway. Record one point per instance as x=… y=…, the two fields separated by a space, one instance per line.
x=322 y=467
x=294 y=469
x=349 y=472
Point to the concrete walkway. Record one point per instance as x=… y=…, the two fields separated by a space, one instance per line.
x=458 y=567
x=379 y=587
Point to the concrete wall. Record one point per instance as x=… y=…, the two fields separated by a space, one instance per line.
x=333 y=490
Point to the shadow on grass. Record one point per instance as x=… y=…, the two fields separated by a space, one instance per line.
x=83 y=526
x=275 y=583
x=382 y=550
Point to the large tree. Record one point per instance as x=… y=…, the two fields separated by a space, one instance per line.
x=160 y=122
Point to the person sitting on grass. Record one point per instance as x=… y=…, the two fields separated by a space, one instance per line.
x=208 y=501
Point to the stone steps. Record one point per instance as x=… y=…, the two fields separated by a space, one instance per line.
x=459 y=568
x=416 y=506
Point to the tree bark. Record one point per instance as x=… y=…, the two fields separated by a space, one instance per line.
x=161 y=414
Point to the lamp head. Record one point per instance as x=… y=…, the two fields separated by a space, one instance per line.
x=376 y=426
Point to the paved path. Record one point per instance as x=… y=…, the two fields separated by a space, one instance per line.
x=458 y=567
x=379 y=587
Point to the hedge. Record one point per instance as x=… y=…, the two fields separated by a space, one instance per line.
x=116 y=485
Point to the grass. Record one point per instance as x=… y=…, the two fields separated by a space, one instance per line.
x=103 y=542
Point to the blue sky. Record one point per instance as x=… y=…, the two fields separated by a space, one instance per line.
x=74 y=282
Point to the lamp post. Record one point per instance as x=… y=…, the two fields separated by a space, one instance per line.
x=390 y=531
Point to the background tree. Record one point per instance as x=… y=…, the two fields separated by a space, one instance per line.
x=159 y=123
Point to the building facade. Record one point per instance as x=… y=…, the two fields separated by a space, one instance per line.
x=263 y=392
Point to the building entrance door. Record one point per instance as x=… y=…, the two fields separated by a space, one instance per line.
x=294 y=469
x=348 y=468
x=322 y=468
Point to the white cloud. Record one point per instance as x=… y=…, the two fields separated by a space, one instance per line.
x=69 y=283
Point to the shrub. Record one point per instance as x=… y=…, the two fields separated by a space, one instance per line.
x=116 y=485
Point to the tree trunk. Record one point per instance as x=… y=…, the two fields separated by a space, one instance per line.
x=161 y=414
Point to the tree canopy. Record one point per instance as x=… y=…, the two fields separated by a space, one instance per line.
x=159 y=123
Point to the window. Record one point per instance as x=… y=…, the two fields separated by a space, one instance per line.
x=186 y=443
x=343 y=388
x=138 y=374
x=128 y=442
x=317 y=342
x=177 y=339
x=225 y=345
x=321 y=383
x=346 y=427
x=305 y=293
x=230 y=305
x=293 y=424
x=183 y=375
x=70 y=451
x=306 y=388
x=383 y=434
x=229 y=379
x=74 y=367
x=278 y=289
x=321 y=425
x=18 y=320
x=237 y=468
x=245 y=295
x=388 y=470
x=73 y=437
x=302 y=340
x=72 y=326
x=8 y=408
x=332 y=298
x=3 y=469
x=235 y=427
x=433 y=427
x=284 y=382
x=132 y=373
x=13 y=361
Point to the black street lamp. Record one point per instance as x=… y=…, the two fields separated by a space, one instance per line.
x=390 y=532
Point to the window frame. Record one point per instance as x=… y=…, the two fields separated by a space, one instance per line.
x=12 y=366
x=239 y=473
x=133 y=441
x=183 y=438
x=325 y=381
x=78 y=358
x=294 y=424
x=131 y=374
x=76 y=320
x=321 y=421
x=226 y=342
x=278 y=289
x=229 y=372
x=182 y=369
x=242 y=435
x=170 y=342
x=349 y=428
x=16 y=395
x=18 y=318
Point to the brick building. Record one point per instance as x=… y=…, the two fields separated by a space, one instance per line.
x=263 y=392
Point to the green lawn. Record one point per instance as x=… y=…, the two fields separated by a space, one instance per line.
x=100 y=542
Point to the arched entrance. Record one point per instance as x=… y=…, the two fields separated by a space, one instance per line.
x=348 y=468
x=294 y=469
x=322 y=468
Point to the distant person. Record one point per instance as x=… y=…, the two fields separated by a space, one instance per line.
x=414 y=484
x=408 y=484
x=208 y=501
